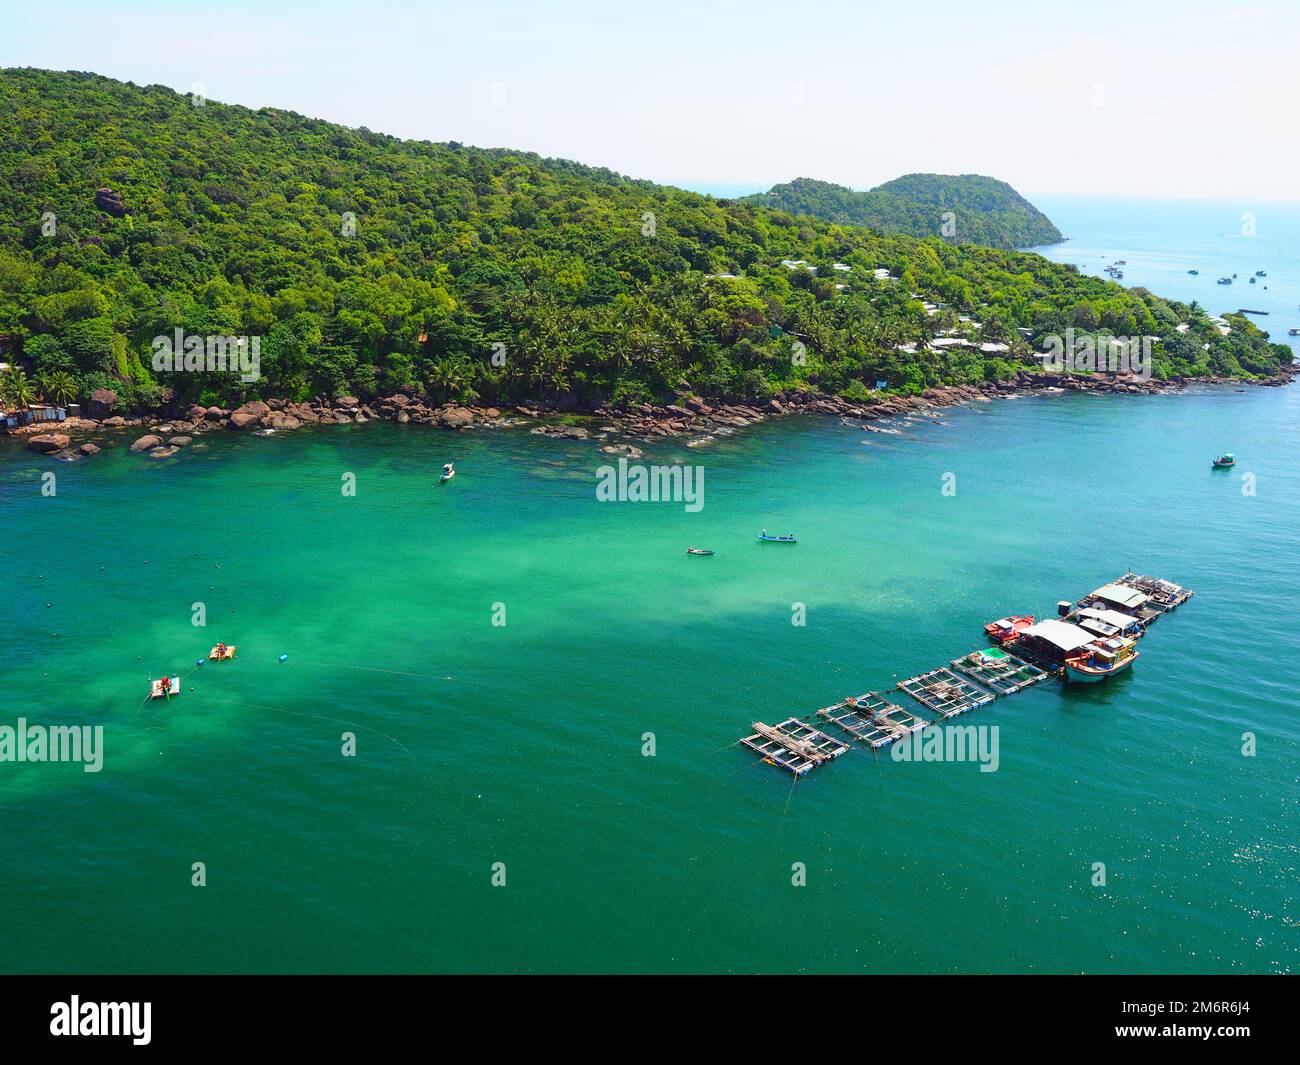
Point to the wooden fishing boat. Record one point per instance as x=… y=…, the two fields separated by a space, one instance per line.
x=165 y=688
x=222 y=651
x=1224 y=461
x=1006 y=630
x=1101 y=659
x=790 y=539
x=698 y=551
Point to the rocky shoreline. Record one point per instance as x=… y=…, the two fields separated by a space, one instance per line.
x=170 y=432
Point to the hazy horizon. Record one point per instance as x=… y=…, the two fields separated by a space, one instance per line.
x=748 y=96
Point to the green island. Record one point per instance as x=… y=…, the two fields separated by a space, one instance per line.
x=983 y=210
x=368 y=265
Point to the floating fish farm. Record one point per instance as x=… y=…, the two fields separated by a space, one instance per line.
x=1126 y=607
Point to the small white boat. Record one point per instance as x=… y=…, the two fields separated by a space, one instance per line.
x=448 y=472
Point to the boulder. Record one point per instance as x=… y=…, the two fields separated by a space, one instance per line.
x=101 y=403
x=88 y=449
x=110 y=201
x=403 y=417
x=47 y=443
x=456 y=418
x=115 y=422
x=179 y=441
x=214 y=414
x=248 y=414
x=146 y=443
x=347 y=402
x=163 y=452
x=256 y=408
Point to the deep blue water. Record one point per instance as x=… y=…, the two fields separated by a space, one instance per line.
x=1161 y=241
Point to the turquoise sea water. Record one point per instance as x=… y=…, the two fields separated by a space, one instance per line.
x=522 y=744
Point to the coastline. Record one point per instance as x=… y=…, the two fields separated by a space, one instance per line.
x=168 y=433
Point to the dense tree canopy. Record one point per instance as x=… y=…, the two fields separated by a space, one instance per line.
x=965 y=209
x=368 y=264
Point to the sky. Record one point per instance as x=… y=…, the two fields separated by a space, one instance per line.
x=1146 y=98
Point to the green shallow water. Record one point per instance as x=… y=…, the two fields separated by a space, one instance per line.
x=522 y=744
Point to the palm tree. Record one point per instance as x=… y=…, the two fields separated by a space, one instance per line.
x=442 y=379
x=59 y=387
x=16 y=389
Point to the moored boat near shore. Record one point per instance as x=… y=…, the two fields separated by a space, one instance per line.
x=1100 y=660
x=1006 y=630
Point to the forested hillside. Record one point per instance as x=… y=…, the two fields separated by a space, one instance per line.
x=368 y=264
x=982 y=210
